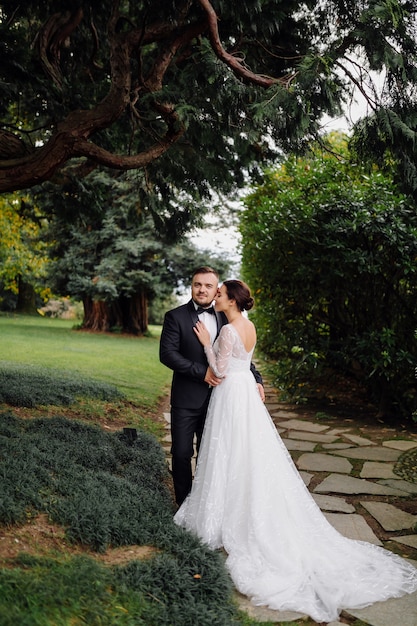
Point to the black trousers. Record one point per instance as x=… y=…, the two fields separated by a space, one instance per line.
x=185 y=423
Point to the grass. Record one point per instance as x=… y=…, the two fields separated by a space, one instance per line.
x=31 y=386
x=130 y=363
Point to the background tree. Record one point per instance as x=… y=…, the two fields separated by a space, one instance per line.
x=121 y=83
x=23 y=254
x=330 y=251
x=108 y=254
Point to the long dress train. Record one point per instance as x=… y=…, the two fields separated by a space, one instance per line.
x=249 y=498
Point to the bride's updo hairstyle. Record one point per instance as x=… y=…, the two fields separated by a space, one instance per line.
x=239 y=291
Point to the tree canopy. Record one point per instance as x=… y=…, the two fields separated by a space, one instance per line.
x=106 y=252
x=189 y=90
x=23 y=251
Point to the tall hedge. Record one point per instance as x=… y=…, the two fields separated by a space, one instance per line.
x=330 y=251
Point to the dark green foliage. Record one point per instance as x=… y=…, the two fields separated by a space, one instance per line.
x=22 y=385
x=177 y=581
x=101 y=488
x=159 y=591
x=304 y=47
x=330 y=251
x=44 y=591
x=388 y=138
x=106 y=491
x=108 y=244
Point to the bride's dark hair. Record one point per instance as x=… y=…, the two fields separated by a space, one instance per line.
x=239 y=291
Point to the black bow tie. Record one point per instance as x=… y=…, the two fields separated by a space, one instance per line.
x=201 y=310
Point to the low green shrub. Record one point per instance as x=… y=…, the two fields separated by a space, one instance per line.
x=106 y=491
x=102 y=488
x=175 y=581
x=43 y=591
x=26 y=386
x=159 y=591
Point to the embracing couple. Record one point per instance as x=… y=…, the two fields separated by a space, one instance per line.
x=247 y=495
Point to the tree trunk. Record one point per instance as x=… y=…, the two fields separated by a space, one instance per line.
x=26 y=299
x=96 y=315
x=128 y=314
x=135 y=313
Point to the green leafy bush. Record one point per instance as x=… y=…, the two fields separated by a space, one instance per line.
x=329 y=250
x=26 y=386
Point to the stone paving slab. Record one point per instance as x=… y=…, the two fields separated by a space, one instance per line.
x=353 y=526
x=337 y=446
x=394 y=612
x=318 y=462
x=293 y=444
x=280 y=430
x=373 y=469
x=404 y=485
x=400 y=444
x=283 y=414
x=407 y=540
x=390 y=517
x=359 y=441
x=332 y=503
x=370 y=454
x=167 y=417
x=306 y=477
x=310 y=427
x=338 y=431
x=337 y=483
x=281 y=406
x=272 y=407
x=319 y=438
x=263 y=614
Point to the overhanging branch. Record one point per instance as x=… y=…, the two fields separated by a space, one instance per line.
x=235 y=64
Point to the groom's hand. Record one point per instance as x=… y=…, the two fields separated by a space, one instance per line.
x=261 y=391
x=211 y=378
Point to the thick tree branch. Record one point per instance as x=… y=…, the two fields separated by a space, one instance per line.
x=50 y=39
x=125 y=162
x=43 y=162
x=235 y=64
x=137 y=49
x=11 y=145
x=183 y=37
x=71 y=137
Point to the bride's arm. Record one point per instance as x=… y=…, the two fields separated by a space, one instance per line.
x=219 y=360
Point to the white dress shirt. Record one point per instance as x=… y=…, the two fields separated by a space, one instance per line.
x=210 y=321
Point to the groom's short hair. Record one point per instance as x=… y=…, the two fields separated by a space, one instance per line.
x=205 y=269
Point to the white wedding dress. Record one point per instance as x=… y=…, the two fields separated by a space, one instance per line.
x=249 y=498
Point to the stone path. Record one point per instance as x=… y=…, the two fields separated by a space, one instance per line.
x=351 y=474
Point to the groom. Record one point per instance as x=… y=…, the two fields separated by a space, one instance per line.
x=193 y=379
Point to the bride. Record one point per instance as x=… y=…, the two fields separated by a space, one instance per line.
x=249 y=498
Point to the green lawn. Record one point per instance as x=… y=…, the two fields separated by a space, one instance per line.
x=130 y=363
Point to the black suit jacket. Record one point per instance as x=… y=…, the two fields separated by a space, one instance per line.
x=181 y=351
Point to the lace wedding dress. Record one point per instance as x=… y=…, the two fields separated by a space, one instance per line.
x=249 y=498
